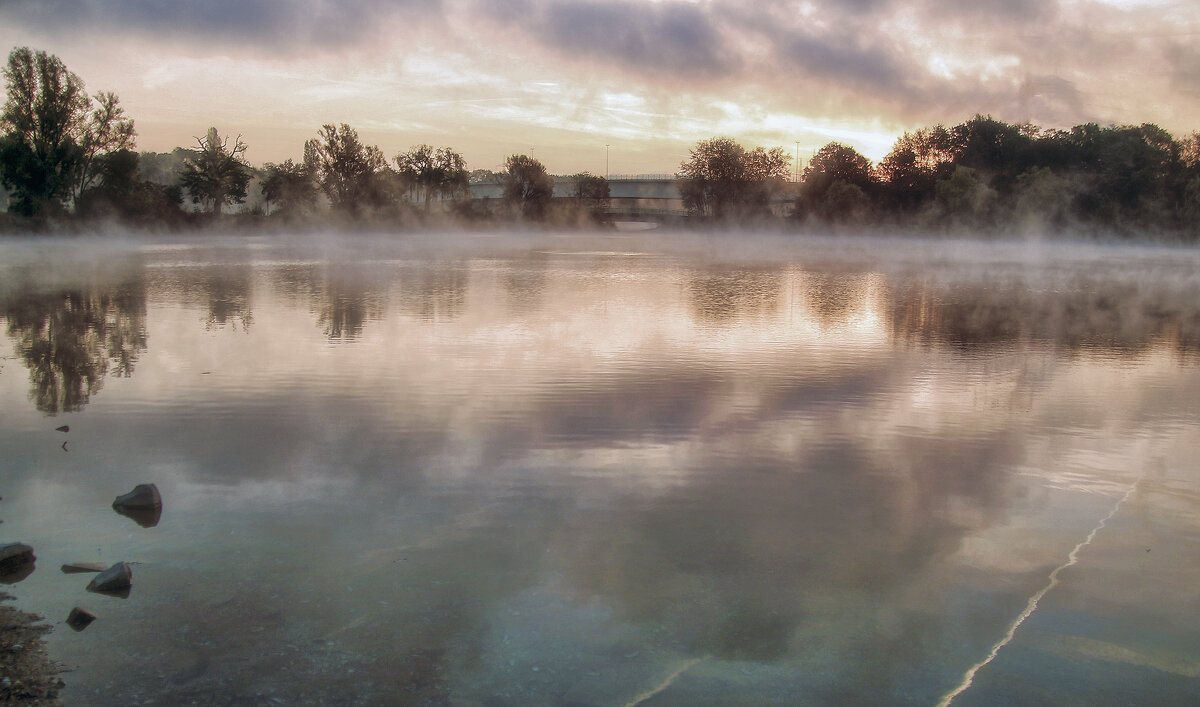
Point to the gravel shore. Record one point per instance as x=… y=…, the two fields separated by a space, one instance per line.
x=27 y=675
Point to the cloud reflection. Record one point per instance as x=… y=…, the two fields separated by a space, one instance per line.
x=486 y=466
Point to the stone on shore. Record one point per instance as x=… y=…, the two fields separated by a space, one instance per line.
x=30 y=677
x=16 y=562
x=115 y=581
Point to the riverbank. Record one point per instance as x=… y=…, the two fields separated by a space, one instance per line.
x=27 y=674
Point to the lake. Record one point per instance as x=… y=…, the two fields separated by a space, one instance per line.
x=601 y=469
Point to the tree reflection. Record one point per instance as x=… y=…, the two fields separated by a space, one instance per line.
x=71 y=339
x=346 y=309
x=834 y=298
x=434 y=292
x=223 y=288
x=1123 y=318
x=228 y=290
x=720 y=296
x=343 y=297
x=525 y=286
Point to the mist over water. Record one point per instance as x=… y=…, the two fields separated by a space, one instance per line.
x=609 y=470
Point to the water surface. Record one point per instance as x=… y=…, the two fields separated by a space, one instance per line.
x=606 y=471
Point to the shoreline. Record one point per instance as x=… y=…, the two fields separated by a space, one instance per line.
x=27 y=673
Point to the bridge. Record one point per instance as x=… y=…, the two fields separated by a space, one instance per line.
x=634 y=198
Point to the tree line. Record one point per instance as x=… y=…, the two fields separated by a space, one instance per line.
x=981 y=175
x=65 y=155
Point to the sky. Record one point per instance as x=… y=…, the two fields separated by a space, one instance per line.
x=617 y=86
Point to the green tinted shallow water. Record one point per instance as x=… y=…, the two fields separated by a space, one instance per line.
x=599 y=471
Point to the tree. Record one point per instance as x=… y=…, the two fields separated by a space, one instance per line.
x=591 y=193
x=527 y=186
x=837 y=162
x=838 y=185
x=996 y=150
x=721 y=179
x=216 y=173
x=289 y=185
x=43 y=116
x=123 y=193
x=428 y=173
x=348 y=172
x=908 y=173
x=163 y=167
x=965 y=198
x=485 y=176
x=1129 y=173
x=107 y=131
x=1041 y=199
x=50 y=142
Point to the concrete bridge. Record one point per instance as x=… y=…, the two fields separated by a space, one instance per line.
x=635 y=199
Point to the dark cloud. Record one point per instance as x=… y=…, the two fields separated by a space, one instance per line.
x=1183 y=65
x=841 y=58
x=841 y=45
x=674 y=39
x=1050 y=99
x=280 y=25
x=963 y=11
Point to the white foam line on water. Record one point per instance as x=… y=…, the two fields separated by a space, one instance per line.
x=1032 y=604
x=664 y=684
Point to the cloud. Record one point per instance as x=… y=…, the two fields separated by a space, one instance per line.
x=989 y=10
x=671 y=38
x=280 y=25
x=877 y=66
x=838 y=56
x=1183 y=65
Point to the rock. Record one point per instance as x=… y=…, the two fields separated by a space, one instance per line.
x=143 y=504
x=64 y=428
x=143 y=496
x=77 y=567
x=79 y=619
x=16 y=562
x=115 y=581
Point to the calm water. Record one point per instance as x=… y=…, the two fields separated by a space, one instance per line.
x=598 y=471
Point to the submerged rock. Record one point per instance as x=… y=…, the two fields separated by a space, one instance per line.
x=80 y=619
x=16 y=562
x=143 y=505
x=77 y=567
x=114 y=581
